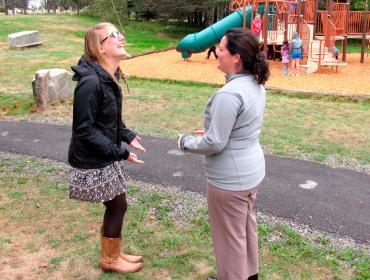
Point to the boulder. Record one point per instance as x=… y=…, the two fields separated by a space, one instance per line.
x=51 y=85
x=24 y=39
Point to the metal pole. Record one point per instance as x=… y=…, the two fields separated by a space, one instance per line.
x=366 y=11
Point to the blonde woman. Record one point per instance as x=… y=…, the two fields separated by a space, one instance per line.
x=95 y=152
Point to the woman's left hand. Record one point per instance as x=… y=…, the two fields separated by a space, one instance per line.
x=136 y=144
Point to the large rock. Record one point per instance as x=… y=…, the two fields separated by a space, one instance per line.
x=24 y=39
x=51 y=85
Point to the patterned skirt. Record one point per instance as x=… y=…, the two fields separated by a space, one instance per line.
x=97 y=185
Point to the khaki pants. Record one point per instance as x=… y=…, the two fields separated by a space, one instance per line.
x=234 y=232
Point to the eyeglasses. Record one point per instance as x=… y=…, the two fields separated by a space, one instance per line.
x=114 y=34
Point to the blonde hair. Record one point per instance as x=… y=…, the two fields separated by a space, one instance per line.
x=93 y=43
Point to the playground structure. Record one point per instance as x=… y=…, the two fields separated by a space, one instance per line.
x=319 y=29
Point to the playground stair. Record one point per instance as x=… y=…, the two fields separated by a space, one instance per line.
x=327 y=59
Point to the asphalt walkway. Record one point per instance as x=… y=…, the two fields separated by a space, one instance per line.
x=329 y=199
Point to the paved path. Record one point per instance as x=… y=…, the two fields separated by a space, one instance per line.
x=339 y=203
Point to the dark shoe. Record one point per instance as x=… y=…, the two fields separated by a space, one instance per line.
x=253 y=277
x=210 y=278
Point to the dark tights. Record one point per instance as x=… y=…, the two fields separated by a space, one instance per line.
x=253 y=277
x=113 y=217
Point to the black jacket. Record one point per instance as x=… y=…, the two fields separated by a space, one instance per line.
x=97 y=129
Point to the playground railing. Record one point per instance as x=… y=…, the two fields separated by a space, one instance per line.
x=329 y=30
x=317 y=53
x=309 y=11
x=339 y=20
x=319 y=25
x=273 y=27
x=355 y=22
x=304 y=34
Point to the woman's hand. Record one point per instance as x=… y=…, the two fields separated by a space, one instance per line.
x=136 y=144
x=134 y=159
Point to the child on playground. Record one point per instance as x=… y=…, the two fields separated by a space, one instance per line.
x=257 y=26
x=285 y=56
x=212 y=49
x=296 y=50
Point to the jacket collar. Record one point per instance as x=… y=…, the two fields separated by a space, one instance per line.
x=87 y=66
x=230 y=77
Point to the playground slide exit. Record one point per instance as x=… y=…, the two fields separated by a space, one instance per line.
x=199 y=42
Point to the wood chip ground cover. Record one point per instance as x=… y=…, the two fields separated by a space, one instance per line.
x=351 y=79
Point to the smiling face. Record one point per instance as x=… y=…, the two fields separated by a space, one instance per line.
x=227 y=62
x=110 y=46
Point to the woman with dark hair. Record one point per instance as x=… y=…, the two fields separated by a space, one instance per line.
x=95 y=151
x=234 y=159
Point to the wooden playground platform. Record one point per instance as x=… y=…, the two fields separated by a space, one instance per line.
x=354 y=79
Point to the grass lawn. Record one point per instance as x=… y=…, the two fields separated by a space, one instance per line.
x=354 y=46
x=47 y=236
x=293 y=126
x=62 y=37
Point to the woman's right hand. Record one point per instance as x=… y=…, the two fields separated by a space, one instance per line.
x=134 y=159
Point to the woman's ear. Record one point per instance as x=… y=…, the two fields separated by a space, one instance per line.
x=237 y=59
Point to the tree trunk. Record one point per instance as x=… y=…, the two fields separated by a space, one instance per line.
x=214 y=14
x=225 y=9
x=6 y=7
x=53 y=6
x=200 y=18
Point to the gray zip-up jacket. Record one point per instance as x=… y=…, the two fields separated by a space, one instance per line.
x=233 y=120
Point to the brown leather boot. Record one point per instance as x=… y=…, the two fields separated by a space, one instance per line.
x=129 y=258
x=110 y=257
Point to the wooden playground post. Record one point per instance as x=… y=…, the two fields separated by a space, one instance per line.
x=319 y=62
x=329 y=8
x=253 y=12
x=366 y=11
x=298 y=13
x=315 y=18
x=265 y=26
x=245 y=14
x=303 y=8
x=286 y=25
x=345 y=41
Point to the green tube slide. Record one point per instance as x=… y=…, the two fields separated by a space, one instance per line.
x=199 y=42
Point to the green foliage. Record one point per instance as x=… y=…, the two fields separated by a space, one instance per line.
x=107 y=11
x=357 y=5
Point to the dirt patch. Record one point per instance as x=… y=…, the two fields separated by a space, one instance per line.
x=351 y=79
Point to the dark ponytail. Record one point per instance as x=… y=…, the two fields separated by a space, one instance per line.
x=244 y=42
